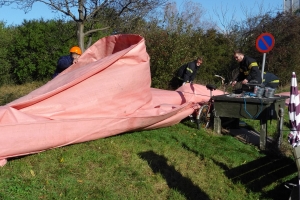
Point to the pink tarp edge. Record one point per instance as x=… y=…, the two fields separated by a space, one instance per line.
x=285 y=94
x=106 y=93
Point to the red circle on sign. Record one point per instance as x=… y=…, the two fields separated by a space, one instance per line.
x=265 y=42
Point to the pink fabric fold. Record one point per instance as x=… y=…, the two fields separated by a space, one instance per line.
x=106 y=93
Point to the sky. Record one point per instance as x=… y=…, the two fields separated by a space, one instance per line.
x=236 y=9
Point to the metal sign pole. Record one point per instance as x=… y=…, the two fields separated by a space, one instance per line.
x=263 y=66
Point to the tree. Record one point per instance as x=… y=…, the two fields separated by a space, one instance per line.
x=186 y=20
x=170 y=40
x=88 y=13
x=6 y=35
x=284 y=58
x=36 y=46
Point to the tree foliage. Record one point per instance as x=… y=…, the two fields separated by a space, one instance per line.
x=36 y=47
x=284 y=58
x=176 y=41
x=6 y=35
x=30 y=50
x=92 y=16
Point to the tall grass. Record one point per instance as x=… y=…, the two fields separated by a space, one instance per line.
x=12 y=92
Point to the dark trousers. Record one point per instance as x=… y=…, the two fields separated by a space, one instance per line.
x=247 y=88
x=272 y=85
x=175 y=83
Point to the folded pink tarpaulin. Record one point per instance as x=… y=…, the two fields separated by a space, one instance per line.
x=287 y=101
x=106 y=93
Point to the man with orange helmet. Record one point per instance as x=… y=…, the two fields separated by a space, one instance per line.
x=66 y=61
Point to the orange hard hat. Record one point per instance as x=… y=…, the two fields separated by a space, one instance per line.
x=76 y=50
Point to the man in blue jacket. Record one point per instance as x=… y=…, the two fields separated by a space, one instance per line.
x=66 y=61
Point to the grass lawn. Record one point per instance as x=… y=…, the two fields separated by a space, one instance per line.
x=177 y=162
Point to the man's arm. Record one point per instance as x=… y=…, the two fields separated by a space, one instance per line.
x=188 y=72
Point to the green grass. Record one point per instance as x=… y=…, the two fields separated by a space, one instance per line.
x=272 y=130
x=177 y=162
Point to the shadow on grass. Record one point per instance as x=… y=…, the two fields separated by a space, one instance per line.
x=187 y=122
x=261 y=173
x=227 y=123
x=175 y=180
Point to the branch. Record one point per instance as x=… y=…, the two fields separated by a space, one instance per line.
x=89 y=42
x=67 y=6
x=53 y=6
x=95 y=30
x=96 y=10
x=124 y=7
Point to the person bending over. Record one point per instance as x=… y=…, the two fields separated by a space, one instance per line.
x=248 y=69
x=270 y=80
x=186 y=73
x=66 y=61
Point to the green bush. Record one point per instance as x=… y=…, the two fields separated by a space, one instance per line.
x=36 y=47
x=168 y=51
x=30 y=51
x=284 y=58
x=6 y=35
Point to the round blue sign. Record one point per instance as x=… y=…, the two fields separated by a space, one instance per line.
x=265 y=42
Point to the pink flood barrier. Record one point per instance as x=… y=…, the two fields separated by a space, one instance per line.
x=285 y=94
x=106 y=93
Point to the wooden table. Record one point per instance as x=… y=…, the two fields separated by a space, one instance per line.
x=254 y=108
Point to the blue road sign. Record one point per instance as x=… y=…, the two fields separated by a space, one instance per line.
x=265 y=42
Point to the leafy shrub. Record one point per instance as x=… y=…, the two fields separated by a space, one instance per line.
x=6 y=35
x=36 y=47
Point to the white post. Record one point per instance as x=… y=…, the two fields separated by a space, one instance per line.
x=263 y=66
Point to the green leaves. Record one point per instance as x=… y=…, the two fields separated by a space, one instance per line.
x=36 y=47
x=168 y=51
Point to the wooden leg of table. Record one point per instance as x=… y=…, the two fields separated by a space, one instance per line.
x=217 y=125
x=263 y=134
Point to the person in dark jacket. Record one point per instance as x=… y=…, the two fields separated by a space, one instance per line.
x=270 y=80
x=66 y=61
x=249 y=69
x=186 y=73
